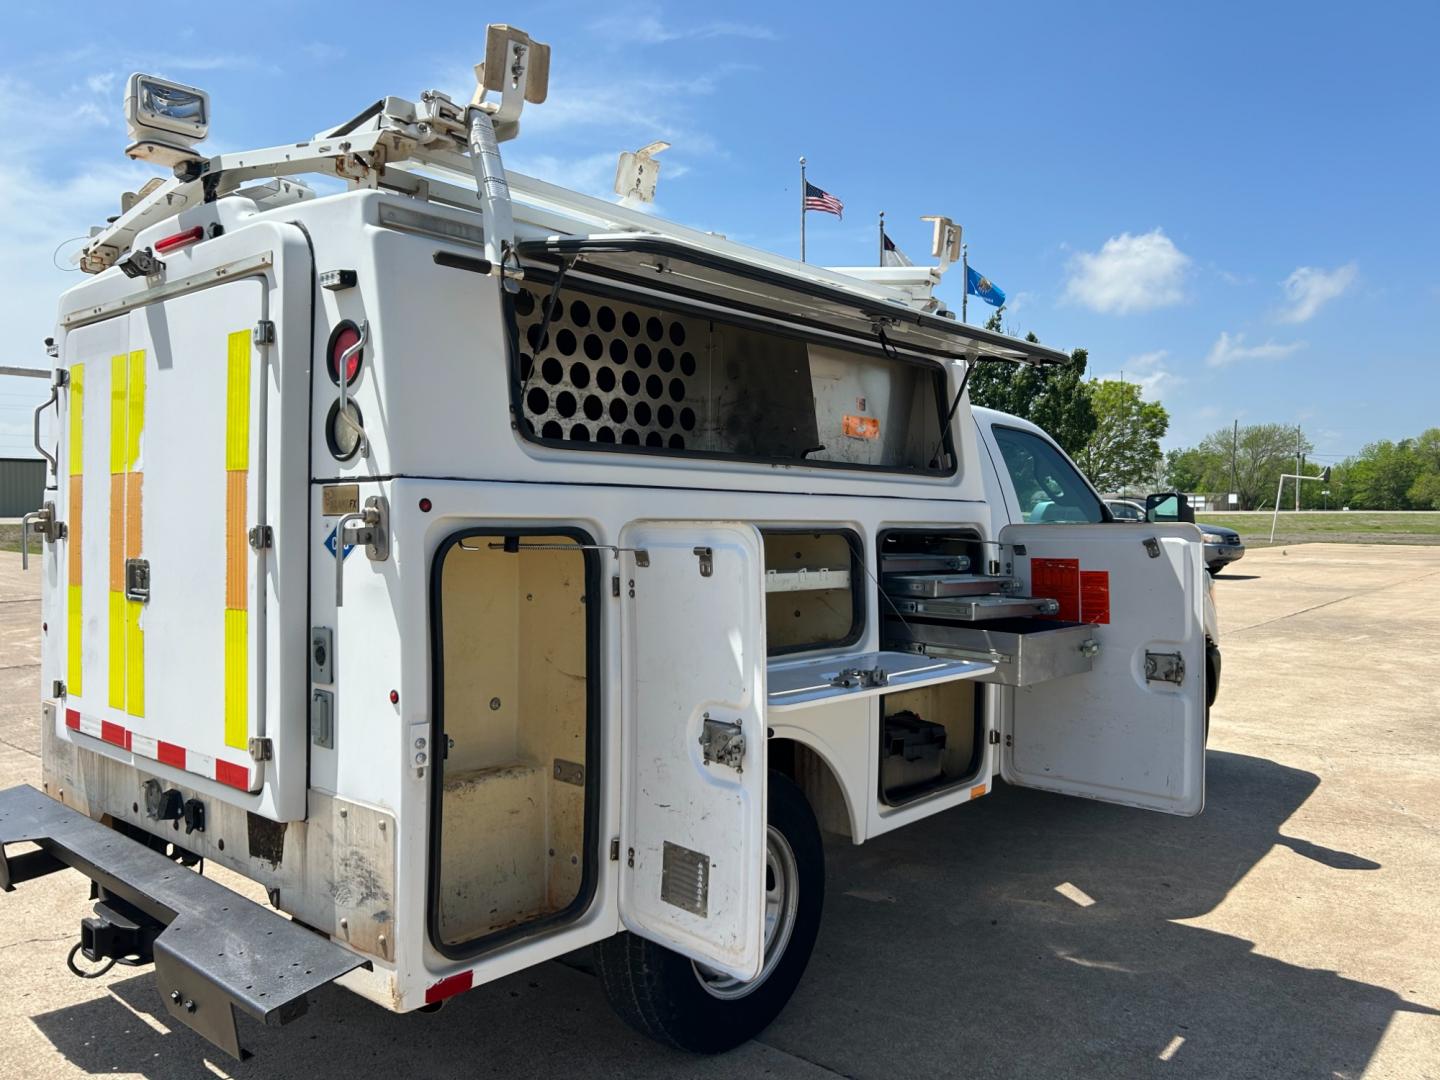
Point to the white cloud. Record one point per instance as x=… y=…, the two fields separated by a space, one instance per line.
x=646 y=27
x=1309 y=289
x=1231 y=349
x=1129 y=273
x=1150 y=372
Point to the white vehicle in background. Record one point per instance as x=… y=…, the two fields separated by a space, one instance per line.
x=490 y=571
x=1125 y=510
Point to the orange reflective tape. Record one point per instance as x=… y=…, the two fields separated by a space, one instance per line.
x=977 y=791
x=237 y=542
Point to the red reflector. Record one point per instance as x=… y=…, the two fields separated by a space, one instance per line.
x=344 y=338
x=236 y=776
x=449 y=987
x=180 y=239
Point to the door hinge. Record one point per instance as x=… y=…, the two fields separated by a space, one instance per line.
x=57 y=689
x=1165 y=667
x=994 y=737
x=262 y=537
x=707 y=560
x=262 y=749
x=264 y=333
x=614 y=849
x=1152 y=547
x=615 y=585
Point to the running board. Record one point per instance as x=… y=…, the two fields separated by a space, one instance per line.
x=218 y=952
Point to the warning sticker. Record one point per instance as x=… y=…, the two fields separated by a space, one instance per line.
x=1095 y=596
x=1058 y=579
x=861 y=427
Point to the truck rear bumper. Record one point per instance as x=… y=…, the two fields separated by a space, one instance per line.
x=218 y=951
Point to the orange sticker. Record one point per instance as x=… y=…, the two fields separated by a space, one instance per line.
x=1095 y=596
x=861 y=427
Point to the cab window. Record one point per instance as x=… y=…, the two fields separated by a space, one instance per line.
x=1048 y=487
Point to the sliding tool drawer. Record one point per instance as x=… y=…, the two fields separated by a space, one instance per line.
x=1024 y=651
x=936 y=585
x=978 y=608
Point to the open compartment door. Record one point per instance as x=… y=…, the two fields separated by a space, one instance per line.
x=1131 y=730
x=692 y=824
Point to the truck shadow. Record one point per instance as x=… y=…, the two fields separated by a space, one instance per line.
x=946 y=951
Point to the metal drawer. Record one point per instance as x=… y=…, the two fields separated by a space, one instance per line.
x=936 y=585
x=978 y=608
x=1024 y=651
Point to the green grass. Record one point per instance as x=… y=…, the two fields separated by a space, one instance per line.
x=1317 y=526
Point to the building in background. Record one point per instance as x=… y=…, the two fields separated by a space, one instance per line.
x=22 y=486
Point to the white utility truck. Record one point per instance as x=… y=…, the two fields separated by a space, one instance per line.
x=489 y=571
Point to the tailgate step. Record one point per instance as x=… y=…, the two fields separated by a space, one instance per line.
x=218 y=951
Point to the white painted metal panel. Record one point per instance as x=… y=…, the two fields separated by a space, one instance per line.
x=692 y=833
x=1110 y=733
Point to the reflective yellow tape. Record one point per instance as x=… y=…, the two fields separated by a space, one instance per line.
x=77 y=416
x=73 y=666
x=134 y=660
x=237 y=402
x=119 y=444
x=117 y=649
x=237 y=548
x=134 y=535
x=237 y=679
x=74 y=610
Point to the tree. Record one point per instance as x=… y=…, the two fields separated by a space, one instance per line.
x=1185 y=470
x=1124 y=449
x=1262 y=453
x=1054 y=396
x=1424 y=493
x=1384 y=473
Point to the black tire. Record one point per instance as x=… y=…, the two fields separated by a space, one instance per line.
x=659 y=993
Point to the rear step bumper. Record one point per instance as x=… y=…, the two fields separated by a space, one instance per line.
x=218 y=951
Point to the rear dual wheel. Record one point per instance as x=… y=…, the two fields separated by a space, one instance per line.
x=684 y=1003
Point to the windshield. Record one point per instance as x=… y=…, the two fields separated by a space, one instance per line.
x=1048 y=486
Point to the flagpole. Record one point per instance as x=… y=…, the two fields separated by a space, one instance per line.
x=964 y=282
x=802 y=208
x=882 y=239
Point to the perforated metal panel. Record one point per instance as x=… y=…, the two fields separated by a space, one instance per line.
x=612 y=372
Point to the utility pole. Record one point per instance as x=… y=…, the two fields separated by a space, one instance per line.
x=964 y=282
x=881 y=261
x=1234 y=447
x=1299 y=463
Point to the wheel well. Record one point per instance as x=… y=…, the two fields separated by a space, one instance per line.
x=814 y=776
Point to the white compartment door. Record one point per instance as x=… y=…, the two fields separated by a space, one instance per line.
x=1132 y=729
x=693 y=764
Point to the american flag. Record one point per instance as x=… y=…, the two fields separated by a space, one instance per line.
x=823 y=201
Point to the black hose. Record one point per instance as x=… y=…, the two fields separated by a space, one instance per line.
x=75 y=969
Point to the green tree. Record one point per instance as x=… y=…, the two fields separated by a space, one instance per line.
x=1384 y=474
x=1424 y=493
x=1262 y=452
x=1124 y=449
x=1185 y=470
x=1054 y=396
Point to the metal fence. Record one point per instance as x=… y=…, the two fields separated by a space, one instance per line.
x=22 y=486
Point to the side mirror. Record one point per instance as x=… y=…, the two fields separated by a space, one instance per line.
x=1169 y=506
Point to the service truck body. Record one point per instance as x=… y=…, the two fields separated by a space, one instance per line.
x=472 y=606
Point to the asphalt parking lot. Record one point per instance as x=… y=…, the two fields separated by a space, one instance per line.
x=1292 y=930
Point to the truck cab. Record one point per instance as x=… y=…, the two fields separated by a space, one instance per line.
x=491 y=571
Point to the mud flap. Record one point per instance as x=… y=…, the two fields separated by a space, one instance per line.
x=219 y=952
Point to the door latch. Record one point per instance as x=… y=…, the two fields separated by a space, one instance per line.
x=369 y=526
x=723 y=743
x=707 y=560
x=137 y=580
x=1165 y=667
x=864 y=677
x=43 y=524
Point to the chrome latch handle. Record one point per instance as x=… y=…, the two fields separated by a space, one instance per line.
x=342 y=366
x=42 y=522
x=370 y=525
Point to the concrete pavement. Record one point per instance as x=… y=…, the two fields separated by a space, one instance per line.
x=1291 y=930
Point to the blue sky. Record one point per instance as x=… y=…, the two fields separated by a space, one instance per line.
x=1233 y=204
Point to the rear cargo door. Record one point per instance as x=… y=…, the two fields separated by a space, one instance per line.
x=1132 y=729
x=693 y=766
x=167 y=475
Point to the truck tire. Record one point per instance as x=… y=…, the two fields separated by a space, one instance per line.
x=677 y=1001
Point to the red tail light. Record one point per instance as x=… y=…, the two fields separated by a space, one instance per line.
x=341 y=338
x=179 y=240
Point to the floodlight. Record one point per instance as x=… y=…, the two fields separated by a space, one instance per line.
x=165 y=119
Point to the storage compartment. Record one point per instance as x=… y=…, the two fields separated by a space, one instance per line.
x=930 y=738
x=811 y=595
x=1024 y=651
x=515 y=692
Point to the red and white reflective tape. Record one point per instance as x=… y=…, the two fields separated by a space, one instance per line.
x=167 y=753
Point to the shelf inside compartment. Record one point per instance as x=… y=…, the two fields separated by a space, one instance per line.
x=806 y=580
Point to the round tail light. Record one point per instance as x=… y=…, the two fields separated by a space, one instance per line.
x=342 y=338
